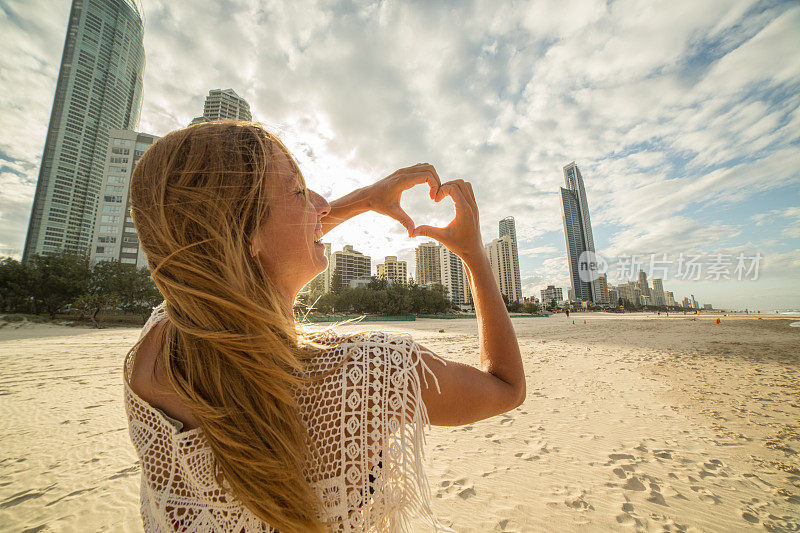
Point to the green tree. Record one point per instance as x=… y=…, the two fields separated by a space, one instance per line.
x=530 y=307
x=337 y=284
x=15 y=286
x=58 y=279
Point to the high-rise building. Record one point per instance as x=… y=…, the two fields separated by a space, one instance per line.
x=669 y=299
x=578 y=234
x=393 y=270
x=428 y=263
x=452 y=275
x=602 y=280
x=223 y=105
x=437 y=264
x=642 y=284
x=658 y=292
x=99 y=87
x=114 y=237
x=350 y=265
x=508 y=227
x=500 y=253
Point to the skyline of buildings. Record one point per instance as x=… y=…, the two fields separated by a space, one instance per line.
x=99 y=87
x=81 y=201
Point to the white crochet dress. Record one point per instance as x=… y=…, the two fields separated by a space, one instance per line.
x=370 y=477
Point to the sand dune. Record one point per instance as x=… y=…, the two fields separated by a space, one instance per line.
x=631 y=423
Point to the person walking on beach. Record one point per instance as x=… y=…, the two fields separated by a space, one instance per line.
x=246 y=420
x=566 y=310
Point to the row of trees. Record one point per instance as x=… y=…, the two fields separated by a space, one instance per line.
x=379 y=297
x=382 y=298
x=66 y=282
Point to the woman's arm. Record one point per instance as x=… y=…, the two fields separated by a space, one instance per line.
x=469 y=394
x=346 y=207
x=383 y=197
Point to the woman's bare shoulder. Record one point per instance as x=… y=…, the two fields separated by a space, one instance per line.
x=157 y=392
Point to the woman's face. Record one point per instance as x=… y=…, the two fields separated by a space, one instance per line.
x=287 y=245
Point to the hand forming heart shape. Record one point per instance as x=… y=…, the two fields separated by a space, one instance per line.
x=416 y=203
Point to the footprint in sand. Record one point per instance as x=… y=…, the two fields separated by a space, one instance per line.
x=579 y=503
x=506 y=421
x=705 y=495
x=620 y=456
x=634 y=484
x=526 y=456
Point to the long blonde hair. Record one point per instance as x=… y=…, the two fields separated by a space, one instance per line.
x=232 y=351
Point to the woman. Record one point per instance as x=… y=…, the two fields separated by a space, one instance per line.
x=245 y=421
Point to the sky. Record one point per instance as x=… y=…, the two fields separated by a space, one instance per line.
x=683 y=117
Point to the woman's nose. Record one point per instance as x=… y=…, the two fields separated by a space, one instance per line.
x=322 y=205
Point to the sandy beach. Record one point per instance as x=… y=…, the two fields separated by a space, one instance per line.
x=632 y=423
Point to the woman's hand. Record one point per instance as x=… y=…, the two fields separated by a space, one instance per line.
x=384 y=196
x=463 y=235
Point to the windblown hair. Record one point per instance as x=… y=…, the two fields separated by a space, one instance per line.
x=232 y=351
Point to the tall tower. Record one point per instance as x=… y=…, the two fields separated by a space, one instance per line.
x=577 y=232
x=508 y=227
x=99 y=87
x=224 y=105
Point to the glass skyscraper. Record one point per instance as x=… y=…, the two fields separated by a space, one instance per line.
x=577 y=233
x=99 y=87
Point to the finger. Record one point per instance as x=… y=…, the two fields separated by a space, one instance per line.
x=428 y=231
x=402 y=217
x=471 y=193
x=433 y=181
x=453 y=190
x=423 y=173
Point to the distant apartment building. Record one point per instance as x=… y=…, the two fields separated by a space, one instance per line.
x=393 y=270
x=687 y=303
x=322 y=283
x=658 y=292
x=694 y=303
x=708 y=307
x=437 y=264
x=349 y=264
x=223 y=105
x=508 y=227
x=642 y=285
x=578 y=234
x=452 y=275
x=551 y=293
x=428 y=263
x=602 y=281
x=114 y=237
x=501 y=258
x=99 y=87
x=613 y=296
x=669 y=299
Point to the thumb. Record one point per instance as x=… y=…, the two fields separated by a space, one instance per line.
x=427 y=231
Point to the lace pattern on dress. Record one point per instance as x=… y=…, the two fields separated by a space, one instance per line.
x=366 y=421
